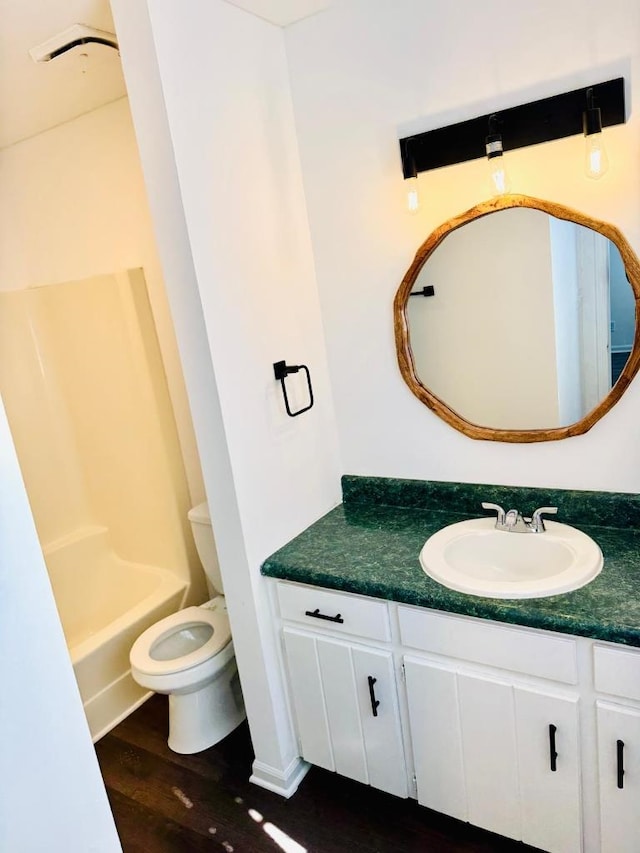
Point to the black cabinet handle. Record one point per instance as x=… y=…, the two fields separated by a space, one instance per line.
x=317 y=615
x=372 y=695
x=620 y=763
x=553 y=755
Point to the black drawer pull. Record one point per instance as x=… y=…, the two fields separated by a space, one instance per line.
x=553 y=755
x=620 y=763
x=317 y=615
x=374 y=702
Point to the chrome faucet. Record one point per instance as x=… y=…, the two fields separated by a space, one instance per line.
x=513 y=522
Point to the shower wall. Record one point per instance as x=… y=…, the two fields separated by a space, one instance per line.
x=40 y=424
x=73 y=205
x=83 y=383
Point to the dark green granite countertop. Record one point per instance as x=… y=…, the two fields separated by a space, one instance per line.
x=370 y=545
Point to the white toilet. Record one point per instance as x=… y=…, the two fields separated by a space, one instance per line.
x=189 y=655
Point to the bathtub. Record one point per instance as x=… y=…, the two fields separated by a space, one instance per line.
x=104 y=604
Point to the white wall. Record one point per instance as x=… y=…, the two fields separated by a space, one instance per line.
x=226 y=197
x=51 y=790
x=365 y=73
x=74 y=206
x=237 y=162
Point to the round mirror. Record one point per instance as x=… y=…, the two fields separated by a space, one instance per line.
x=518 y=321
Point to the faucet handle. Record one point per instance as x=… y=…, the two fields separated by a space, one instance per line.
x=512 y=519
x=498 y=509
x=537 y=522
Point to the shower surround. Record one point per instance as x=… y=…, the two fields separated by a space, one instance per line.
x=83 y=384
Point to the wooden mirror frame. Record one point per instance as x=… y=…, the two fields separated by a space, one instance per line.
x=403 y=346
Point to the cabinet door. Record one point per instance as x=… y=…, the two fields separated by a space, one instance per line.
x=346 y=709
x=482 y=754
x=549 y=770
x=432 y=695
x=619 y=770
x=343 y=713
x=380 y=716
x=463 y=735
x=488 y=727
x=308 y=698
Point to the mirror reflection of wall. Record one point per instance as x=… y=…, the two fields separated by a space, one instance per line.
x=519 y=333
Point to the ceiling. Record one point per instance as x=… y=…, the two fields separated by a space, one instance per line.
x=282 y=12
x=38 y=96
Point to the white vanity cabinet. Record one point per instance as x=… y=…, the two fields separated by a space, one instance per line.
x=344 y=694
x=530 y=734
x=617 y=674
x=500 y=756
x=489 y=747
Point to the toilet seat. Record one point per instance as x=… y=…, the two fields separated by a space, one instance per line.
x=141 y=652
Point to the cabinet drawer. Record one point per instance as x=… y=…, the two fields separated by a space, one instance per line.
x=515 y=649
x=617 y=671
x=343 y=614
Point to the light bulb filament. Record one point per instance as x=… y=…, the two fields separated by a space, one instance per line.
x=413 y=198
x=596 y=161
x=499 y=178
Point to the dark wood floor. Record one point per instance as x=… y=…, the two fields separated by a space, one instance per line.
x=169 y=803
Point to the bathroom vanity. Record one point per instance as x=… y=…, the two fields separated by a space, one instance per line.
x=519 y=716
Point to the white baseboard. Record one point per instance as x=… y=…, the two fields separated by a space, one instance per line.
x=280 y=782
x=113 y=704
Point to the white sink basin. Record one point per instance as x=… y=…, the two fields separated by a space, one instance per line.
x=474 y=557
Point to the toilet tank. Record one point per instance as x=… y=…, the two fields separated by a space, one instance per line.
x=205 y=544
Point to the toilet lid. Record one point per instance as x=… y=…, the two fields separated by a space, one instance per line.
x=202 y=632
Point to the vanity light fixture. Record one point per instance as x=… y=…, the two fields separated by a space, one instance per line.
x=495 y=157
x=527 y=124
x=596 y=160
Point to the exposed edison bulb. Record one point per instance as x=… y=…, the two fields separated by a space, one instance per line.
x=500 y=183
x=596 y=159
x=499 y=176
x=413 y=198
